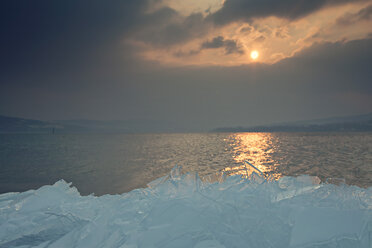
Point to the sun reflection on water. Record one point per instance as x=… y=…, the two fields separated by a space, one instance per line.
x=256 y=149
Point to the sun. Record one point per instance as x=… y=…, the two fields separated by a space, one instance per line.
x=254 y=54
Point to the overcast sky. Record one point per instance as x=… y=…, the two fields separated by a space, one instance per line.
x=186 y=62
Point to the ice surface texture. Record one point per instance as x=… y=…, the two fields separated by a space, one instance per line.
x=184 y=211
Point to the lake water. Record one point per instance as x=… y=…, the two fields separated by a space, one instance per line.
x=117 y=163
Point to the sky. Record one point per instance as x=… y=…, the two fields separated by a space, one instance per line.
x=186 y=62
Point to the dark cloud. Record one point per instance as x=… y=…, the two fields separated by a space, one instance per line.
x=246 y=30
x=351 y=18
x=280 y=33
x=216 y=42
x=344 y=65
x=366 y=13
x=260 y=38
x=51 y=36
x=230 y=46
x=175 y=29
x=246 y=10
x=186 y=54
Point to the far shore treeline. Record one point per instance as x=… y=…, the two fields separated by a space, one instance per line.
x=360 y=123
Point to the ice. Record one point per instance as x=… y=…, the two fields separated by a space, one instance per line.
x=181 y=210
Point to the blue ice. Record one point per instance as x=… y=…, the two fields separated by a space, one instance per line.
x=182 y=210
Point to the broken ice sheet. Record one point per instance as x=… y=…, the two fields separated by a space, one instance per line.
x=181 y=210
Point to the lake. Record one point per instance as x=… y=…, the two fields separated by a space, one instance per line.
x=117 y=163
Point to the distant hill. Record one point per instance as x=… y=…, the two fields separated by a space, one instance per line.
x=15 y=125
x=357 y=123
x=20 y=125
x=122 y=126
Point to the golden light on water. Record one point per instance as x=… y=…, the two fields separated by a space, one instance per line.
x=257 y=149
x=254 y=54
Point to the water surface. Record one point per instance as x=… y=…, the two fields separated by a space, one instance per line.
x=117 y=163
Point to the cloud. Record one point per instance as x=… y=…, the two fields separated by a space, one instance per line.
x=230 y=46
x=186 y=54
x=351 y=18
x=312 y=84
x=47 y=37
x=244 y=10
x=246 y=29
x=260 y=38
x=344 y=65
x=174 y=28
x=281 y=33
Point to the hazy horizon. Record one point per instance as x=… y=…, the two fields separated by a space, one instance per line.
x=146 y=119
x=186 y=63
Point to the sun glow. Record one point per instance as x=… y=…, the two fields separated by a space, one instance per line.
x=254 y=54
x=257 y=149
